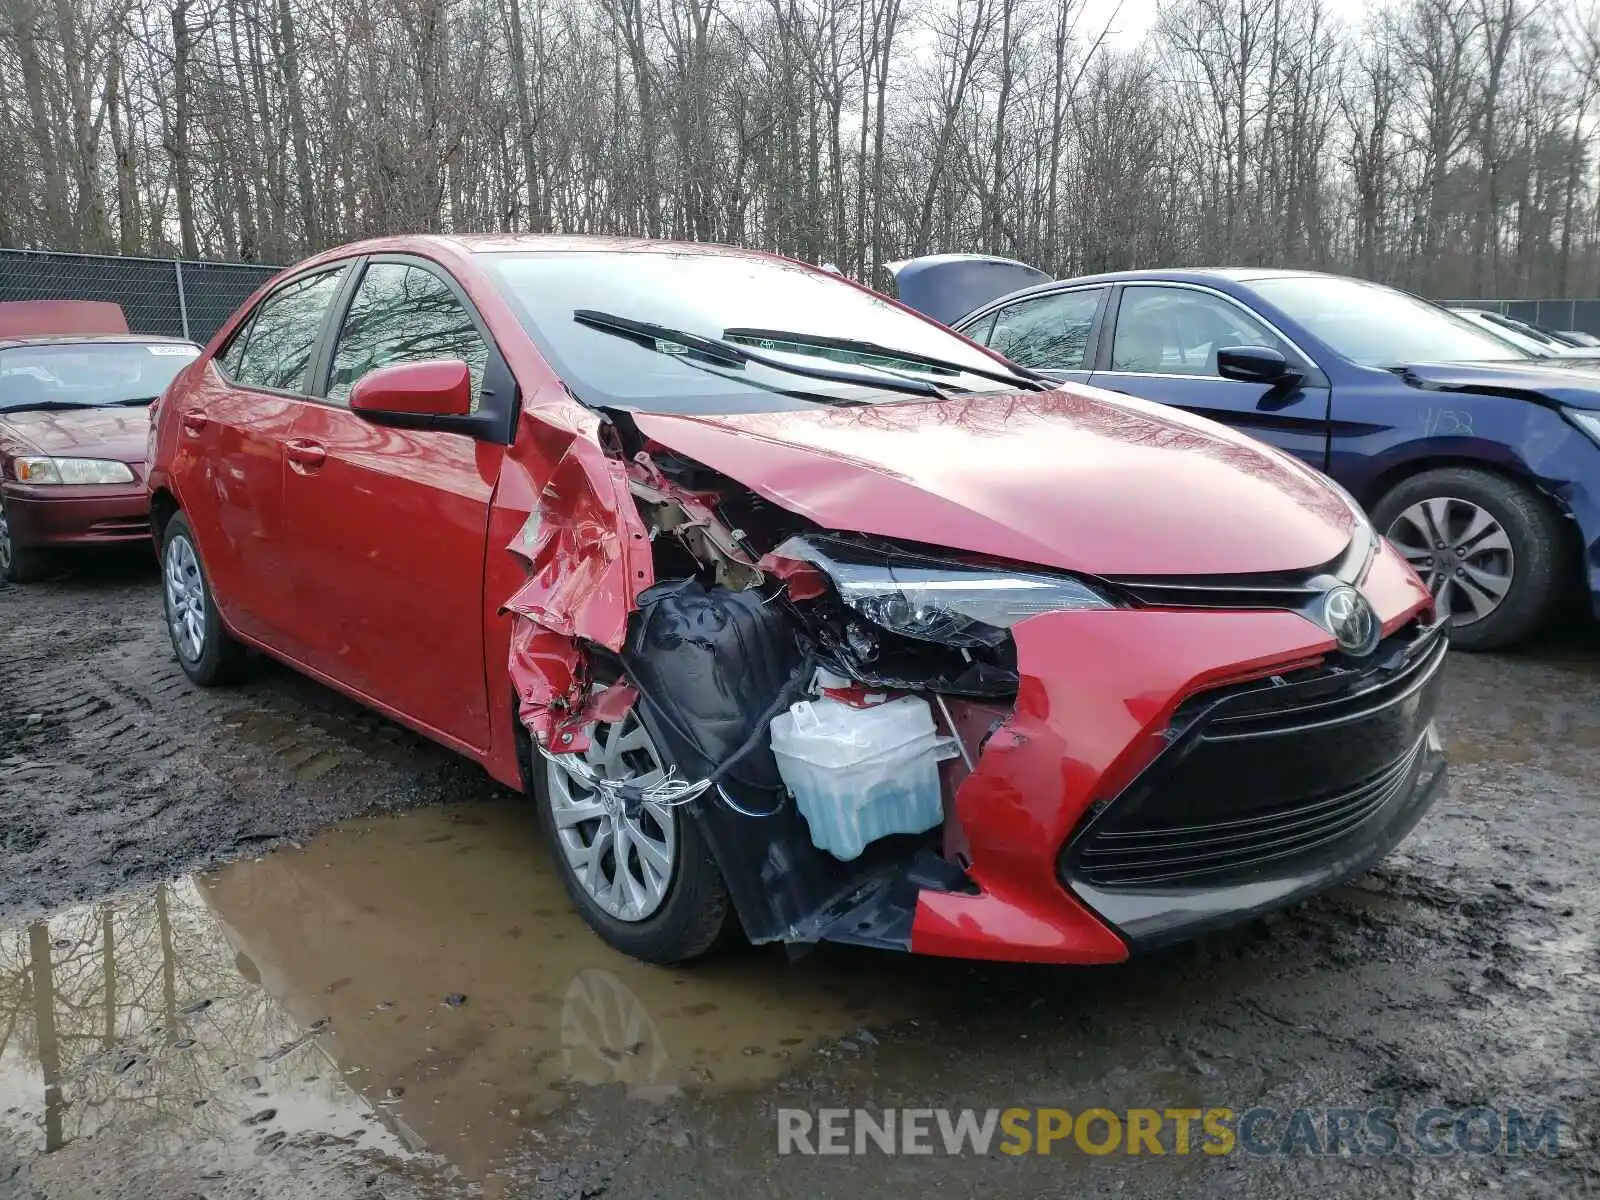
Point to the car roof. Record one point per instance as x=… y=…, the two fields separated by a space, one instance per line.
x=498 y=243
x=1167 y=275
x=62 y=339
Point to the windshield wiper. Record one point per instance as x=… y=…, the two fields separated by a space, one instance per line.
x=729 y=354
x=1021 y=376
x=46 y=406
x=136 y=400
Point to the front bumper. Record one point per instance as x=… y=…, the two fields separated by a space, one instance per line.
x=1253 y=808
x=89 y=515
x=1566 y=466
x=1113 y=702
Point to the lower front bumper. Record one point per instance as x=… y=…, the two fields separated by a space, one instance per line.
x=77 y=516
x=1149 y=918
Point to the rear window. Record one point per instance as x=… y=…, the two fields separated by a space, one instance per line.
x=89 y=374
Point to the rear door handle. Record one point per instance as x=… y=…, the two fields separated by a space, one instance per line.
x=305 y=455
x=194 y=421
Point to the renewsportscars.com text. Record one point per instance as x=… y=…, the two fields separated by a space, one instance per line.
x=1433 y=1132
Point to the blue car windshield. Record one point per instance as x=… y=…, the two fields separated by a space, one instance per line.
x=1377 y=326
x=88 y=374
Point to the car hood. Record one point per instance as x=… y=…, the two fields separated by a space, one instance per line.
x=947 y=287
x=115 y=433
x=1074 y=478
x=1573 y=382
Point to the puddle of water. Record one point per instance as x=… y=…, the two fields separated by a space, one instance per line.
x=414 y=982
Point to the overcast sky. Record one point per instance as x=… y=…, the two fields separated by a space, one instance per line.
x=1134 y=17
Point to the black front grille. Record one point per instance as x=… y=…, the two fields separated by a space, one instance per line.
x=1294 y=590
x=1267 y=772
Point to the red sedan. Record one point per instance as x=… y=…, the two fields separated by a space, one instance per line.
x=798 y=616
x=74 y=428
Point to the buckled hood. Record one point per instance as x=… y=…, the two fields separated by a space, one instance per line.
x=1075 y=478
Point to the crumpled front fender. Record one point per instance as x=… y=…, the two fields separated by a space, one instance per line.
x=588 y=559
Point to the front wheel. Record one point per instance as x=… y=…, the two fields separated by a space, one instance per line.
x=206 y=651
x=19 y=564
x=647 y=884
x=1488 y=548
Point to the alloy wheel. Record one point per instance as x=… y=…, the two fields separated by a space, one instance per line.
x=624 y=863
x=185 y=593
x=1461 y=551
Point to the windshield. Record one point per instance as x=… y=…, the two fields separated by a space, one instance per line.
x=744 y=300
x=88 y=374
x=1377 y=326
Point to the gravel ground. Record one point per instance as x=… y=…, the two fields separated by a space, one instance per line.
x=114 y=769
x=1464 y=972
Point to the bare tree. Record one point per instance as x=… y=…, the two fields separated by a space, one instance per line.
x=1445 y=144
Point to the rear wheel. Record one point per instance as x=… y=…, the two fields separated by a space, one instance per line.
x=19 y=564
x=647 y=884
x=1488 y=548
x=206 y=651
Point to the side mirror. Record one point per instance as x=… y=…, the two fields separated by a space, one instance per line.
x=1255 y=364
x=413 y=392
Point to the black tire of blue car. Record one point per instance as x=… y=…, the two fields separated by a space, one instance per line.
x=21 y=564
x=1533 y=528
x=222 y=658
x=695 y=917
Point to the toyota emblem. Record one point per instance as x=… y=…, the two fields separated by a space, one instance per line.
x=1351 y=620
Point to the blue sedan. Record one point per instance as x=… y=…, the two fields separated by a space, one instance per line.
x=1480 y=462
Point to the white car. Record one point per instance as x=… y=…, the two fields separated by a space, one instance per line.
x=1524 y=337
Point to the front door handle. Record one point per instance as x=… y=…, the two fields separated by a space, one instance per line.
x=194 y=422
x=306 y=455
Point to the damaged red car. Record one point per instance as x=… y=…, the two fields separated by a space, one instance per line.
x=799 y=617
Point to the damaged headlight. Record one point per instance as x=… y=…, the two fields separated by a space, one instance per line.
x=921 y=597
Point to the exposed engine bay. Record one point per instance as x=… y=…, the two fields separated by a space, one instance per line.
x=819 y=695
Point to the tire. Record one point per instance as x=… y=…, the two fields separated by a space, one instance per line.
x=207 y=652
x=21 y=564
x=1471 y=533
x=693 y=915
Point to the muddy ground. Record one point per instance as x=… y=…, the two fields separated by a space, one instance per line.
x=258 y=942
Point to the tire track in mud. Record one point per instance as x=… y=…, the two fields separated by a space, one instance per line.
x=115 y=769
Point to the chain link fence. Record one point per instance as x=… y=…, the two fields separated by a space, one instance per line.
x=175 y=297
x=188 y=298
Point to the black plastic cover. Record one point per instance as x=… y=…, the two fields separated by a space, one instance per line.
x=707 y=663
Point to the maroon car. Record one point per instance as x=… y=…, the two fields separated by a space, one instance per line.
x=75 y=393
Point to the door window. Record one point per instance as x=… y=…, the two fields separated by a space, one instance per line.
x=1049 y=333
x=402 y=313
x=283 y=333
x=1178 y=331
